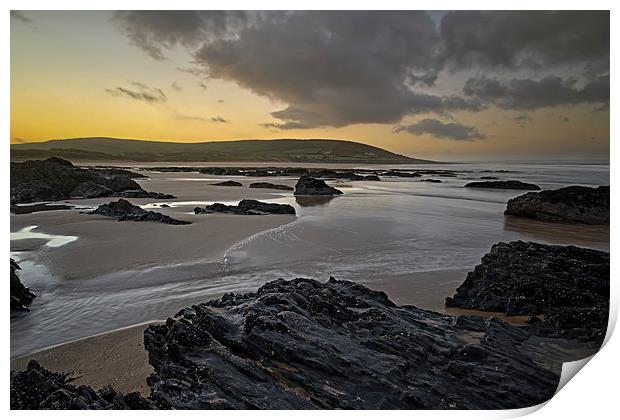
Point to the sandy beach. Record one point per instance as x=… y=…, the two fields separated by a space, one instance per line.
x=104 y=245
x=117 y=358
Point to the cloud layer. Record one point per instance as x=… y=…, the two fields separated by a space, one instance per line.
x=139 y=92
x=533 y=94
x=440 y=130
x=341 y=68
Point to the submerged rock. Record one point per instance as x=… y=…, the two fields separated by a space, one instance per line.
x=312 y=186
x=247 y=207
x=123 y=210
x=229 y=184
x=435 y=181
x=21 y=296
x=56 y=179
x=302 y=344
x=271 y=186
x=37 y=388
x=505 y=185
x=566 y=205
x=567 y=285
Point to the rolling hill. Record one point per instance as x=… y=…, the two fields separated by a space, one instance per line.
x=282 y=150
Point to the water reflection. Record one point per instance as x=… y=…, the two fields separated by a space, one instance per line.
x=581 y=235
x=313 y=201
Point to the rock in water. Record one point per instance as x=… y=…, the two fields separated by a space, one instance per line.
x=37 y=388
x=21 y=296
x=57 y=179
x=123 y=210
x=504 y=185
x=312 y=186
x=269 y=185
x=248 y=207
x=401 y=174
x=568 y=285
x=228 y=184
x=302 y=344
x=566 y=205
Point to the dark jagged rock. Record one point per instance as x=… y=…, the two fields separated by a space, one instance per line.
x=56 y=179
x=403 y=174
x=436 y=181
x=269 y=185
x=143 y=194
x=114 y=171
x=567 y=285
x=504 y=185
x=312 y=186
x=34 y=208
x=247 y=207
x=37 y=388
x=489 y=177
x=229 y=184
x=123 y=210
x=21 y=296
x=302 y=344
x=566 y=205
x=348 y=174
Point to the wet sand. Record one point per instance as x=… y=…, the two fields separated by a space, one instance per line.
x=105 y=245
x=116 y=358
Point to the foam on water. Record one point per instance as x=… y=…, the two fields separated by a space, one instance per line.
x=54 y=240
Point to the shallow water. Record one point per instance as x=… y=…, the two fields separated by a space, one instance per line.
x=414 y=240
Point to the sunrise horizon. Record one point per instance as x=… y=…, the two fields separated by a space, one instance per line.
x=405 y=83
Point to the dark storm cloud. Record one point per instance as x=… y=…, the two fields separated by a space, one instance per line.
x=341 y=68
x=19 y=15
x=438 y=129
x=335 y=69
x=514 y=39
x=139 y=92
x=533 y=94
x=155 y=31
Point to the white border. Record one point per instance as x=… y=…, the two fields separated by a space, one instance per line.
x=592 y=395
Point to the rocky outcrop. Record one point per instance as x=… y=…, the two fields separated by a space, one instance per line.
x=347 y=174
x=303 y=344
x=564 y=288
x=401 y=174
x=271 y=186
x=21 y=296
x=229 y=184
x=123 y=210
x=432 y=180
x=504 y=185
x=37 y=388
x=58 y=179
x=312 y=186
x=247 y=207
x=566 y=205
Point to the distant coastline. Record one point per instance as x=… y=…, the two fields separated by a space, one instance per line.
x=277 y=150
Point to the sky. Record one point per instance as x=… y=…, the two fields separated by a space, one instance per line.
x=463 y=85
